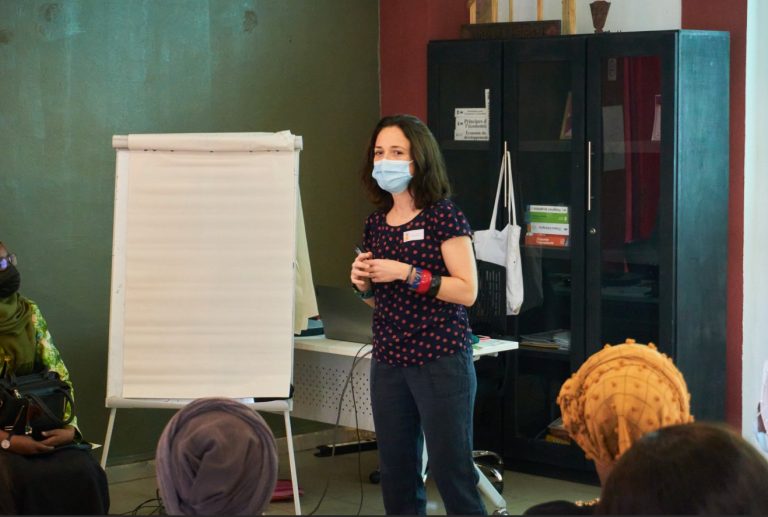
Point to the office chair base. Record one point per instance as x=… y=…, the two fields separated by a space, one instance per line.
x=492 y=466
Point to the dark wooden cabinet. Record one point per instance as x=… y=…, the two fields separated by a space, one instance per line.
x=628 y=132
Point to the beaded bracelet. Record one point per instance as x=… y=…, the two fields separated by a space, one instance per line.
x=409 y=274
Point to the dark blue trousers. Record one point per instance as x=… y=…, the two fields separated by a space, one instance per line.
x=437 y=398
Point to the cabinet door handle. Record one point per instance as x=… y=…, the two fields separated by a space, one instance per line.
x=589 y=175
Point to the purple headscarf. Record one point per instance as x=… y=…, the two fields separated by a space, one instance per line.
x=216 y=457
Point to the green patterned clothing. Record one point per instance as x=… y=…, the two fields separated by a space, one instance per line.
x=47 y=355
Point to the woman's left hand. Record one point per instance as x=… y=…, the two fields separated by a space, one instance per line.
x=56 y=437
x=385 y=270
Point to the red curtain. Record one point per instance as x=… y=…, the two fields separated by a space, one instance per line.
x=642 y=83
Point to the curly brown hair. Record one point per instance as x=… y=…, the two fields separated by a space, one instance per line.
x=430 y=180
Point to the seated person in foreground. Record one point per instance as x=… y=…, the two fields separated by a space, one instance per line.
x=618 y=395
x=692 y=469
x=46 y=476
x=216 y=456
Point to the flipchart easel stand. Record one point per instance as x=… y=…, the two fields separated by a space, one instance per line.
x=204 y=245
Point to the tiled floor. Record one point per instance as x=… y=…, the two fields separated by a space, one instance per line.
x=344 y=479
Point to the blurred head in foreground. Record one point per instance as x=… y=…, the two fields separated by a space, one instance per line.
x=216 y=457
x=692 y=469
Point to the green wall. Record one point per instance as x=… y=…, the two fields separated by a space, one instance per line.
x=75 y=72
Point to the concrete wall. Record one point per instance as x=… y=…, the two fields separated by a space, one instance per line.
x=75 y=72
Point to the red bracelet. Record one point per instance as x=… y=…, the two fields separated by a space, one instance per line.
x=426 y=281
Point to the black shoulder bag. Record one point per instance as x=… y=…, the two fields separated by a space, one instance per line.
x=31 y=404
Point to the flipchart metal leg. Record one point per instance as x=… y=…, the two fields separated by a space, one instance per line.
x=292 y=462
x=108 y=437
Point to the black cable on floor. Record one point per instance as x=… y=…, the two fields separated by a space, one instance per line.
x=155 y=504
x=359 y=447
x=355 y=361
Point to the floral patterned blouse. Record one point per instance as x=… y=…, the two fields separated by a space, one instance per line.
x=49 y=357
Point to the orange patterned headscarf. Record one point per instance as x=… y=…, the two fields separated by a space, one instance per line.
x=618 y=395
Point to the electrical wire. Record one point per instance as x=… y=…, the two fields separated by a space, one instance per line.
x=359 y=446
x=156 y=509
x=355 y=361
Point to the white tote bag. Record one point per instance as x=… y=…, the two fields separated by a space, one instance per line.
x=502 y=247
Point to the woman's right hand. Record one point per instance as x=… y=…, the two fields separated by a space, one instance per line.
x=27 y=446
x=360 y=276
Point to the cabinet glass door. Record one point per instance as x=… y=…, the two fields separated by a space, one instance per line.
x=544 y=128
x=628 y=187
x=464 y=80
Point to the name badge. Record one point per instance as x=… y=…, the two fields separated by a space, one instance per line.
x=414 y=235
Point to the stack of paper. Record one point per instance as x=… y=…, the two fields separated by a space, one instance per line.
x=558 y=339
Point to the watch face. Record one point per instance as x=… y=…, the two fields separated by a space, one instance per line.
x=5 y=444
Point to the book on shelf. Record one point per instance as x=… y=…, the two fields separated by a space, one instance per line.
x=556 y=430
x=556 y=439
x=549 y=228
x=536 y=345
x=542 y=239
x=546 y=217
x=558 y=339
x=566 y=127
x=656 y=131
x=552 y=209
x=547 y=225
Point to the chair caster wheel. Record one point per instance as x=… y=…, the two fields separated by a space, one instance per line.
x=375 y=477
x=494 y=475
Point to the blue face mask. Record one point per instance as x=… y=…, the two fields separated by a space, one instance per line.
x=392 y=175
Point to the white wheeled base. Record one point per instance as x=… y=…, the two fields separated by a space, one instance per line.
x=487 y=488
x=483 y=484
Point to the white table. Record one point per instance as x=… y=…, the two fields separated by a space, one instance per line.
x=321 y=367
x=320 y=370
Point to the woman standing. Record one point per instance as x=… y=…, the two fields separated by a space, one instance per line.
x=417 y=269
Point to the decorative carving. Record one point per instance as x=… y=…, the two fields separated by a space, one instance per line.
x=599 y=10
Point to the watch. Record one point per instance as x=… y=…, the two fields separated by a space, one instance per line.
x=5 y=444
